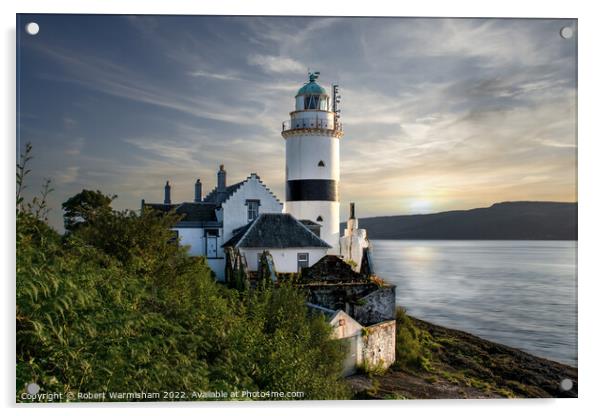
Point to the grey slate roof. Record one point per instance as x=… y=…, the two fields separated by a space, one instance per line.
x=310 y=223
x=275 y=230
x=332 y=270
x=216 y=198
x=317 y=309
x=192 y=211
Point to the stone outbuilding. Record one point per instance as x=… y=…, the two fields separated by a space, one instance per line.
x=360 y=309
x=333 y=283
x=368 y=347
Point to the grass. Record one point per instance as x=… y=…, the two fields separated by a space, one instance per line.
x=421 y=354
x=413 y=345
x=374 y=370
x=394 y=396
x=432 y=379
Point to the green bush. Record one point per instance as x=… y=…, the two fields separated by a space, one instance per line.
x=115 y=306
x=411 y=344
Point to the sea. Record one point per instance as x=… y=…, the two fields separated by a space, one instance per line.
x=519 y=293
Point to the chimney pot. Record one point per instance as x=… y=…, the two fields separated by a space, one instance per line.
x=198 y=188
x=221 y=178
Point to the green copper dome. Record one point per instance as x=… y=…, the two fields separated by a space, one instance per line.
x=312 y=88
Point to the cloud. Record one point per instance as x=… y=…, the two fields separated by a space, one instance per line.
x=109 y=78
x=215 y=75
x=67 y=175
x=69 y=122
x=276 y=64
x=454 y=113
x=75 y=146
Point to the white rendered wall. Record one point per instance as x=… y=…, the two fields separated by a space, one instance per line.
x=353 y=243
x=347 y=328
x=235 y=210
x=344 y=326
x=194 y=238
x=285 y=260
x=219 y=268
x=303 y=153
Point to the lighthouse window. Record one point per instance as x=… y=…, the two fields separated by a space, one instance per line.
x=324 y=104
x=311 y=102
x=319 y=218
x=315 y=102
x=321 y=163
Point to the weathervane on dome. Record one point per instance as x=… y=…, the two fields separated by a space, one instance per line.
x=313 y=76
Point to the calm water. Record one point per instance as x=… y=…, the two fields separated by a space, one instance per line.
x=519 y=293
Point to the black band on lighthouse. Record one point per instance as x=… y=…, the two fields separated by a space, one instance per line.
x=312 y=190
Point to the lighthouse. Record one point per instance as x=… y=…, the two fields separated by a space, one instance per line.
x=312 y=137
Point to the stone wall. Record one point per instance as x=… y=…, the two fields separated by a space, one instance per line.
x=378 y=349
x=367 y=303
x=338 y=296
x=376 y=307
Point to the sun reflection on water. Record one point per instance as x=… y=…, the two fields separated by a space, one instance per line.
x=419 y=253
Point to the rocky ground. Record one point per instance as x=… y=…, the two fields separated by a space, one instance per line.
x=460 y=365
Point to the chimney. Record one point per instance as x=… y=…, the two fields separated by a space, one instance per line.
x=198 y=194
x=167 y=194
x=221 y=179
x=352 y=222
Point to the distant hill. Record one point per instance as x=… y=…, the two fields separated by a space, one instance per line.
x=501 y=221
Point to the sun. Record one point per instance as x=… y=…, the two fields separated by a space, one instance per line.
x=420 y=206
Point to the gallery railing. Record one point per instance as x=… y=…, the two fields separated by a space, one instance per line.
x=311 y=123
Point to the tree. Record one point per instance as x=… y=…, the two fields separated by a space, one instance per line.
x=85 y=207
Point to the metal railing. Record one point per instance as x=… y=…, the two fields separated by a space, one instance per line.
x=311 y=123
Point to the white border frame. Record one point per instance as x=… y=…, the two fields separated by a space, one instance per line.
x=589 y=153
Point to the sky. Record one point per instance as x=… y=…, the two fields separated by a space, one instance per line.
x=439 y=114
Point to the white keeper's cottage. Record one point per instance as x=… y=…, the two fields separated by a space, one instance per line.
x=211 y=220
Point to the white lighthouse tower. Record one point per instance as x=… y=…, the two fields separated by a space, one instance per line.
x=312 y=159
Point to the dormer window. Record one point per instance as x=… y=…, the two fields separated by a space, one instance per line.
x=252 y=209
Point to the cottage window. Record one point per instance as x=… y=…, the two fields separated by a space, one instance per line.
x=252 y=209
x=302 y=261
x=211 y=232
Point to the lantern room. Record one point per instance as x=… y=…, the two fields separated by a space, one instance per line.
x=312 y=96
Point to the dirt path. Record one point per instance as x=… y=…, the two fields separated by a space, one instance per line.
x=401 y=385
